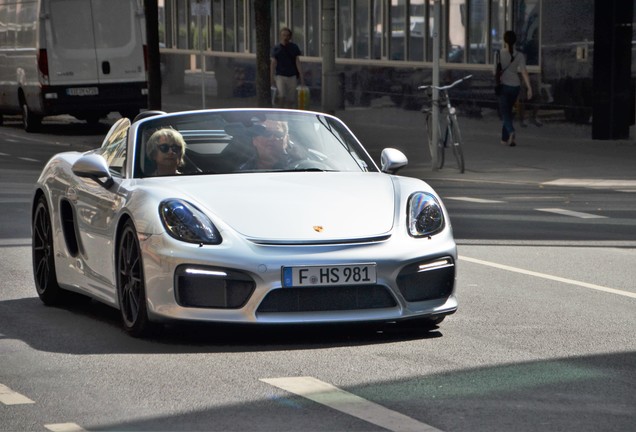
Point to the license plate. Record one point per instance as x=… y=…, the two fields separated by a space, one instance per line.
x=352 y=274
x=82 y=91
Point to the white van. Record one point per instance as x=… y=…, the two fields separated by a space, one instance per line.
x=85 y=58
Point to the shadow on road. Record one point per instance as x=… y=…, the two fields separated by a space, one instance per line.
x=72 y=330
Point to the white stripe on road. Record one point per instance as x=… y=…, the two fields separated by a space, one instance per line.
x=16 y=242
x=9 y=397
x=28 y=159
x=550 y=277
x=593 y=183
x=474 y=200
x=64 y=427
x=571 y=213
x=333 y=397
x=15 y=200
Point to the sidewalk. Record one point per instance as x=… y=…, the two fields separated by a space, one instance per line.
x=553 y=151
x=557 y=150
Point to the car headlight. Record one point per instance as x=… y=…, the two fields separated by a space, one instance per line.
x=187 y=223
x=425 y=215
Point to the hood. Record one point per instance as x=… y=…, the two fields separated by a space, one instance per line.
x=315 y=207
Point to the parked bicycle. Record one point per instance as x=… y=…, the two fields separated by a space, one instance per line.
x=449 y=132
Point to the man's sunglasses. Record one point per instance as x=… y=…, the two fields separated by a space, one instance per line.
x=269 y=134
x=165 y=147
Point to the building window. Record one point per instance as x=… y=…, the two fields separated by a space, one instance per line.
x=399 y=30
x=419 y=29
x=456 y=34
x=362 y=33
x=477 y=31
x=313 y=29
x=526 y=27
x=497 y=24
x=344 y=34
x=182 y=24
x=298 y=23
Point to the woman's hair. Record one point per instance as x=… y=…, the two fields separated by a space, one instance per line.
x=172 y=137
x=510 y=38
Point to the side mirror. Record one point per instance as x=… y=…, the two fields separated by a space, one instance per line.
x=94 y=167
x=392 y=160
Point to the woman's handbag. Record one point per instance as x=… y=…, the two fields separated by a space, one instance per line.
x=498 y=73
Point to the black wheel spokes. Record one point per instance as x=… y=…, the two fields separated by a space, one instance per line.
x=129 y=278
x=42 y=248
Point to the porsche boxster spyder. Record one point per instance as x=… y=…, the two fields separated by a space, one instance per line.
x=242 y=216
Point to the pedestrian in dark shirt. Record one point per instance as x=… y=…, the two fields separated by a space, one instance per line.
x=285 y=69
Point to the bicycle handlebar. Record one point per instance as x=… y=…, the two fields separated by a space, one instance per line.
x=446 y=87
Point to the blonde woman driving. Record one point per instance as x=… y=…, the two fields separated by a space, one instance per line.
x=166 y=149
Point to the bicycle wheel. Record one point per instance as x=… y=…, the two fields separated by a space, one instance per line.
x=441 y=146
x=437 y=151
x=456 y=143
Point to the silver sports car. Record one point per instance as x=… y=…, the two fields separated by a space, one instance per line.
x=242 y=216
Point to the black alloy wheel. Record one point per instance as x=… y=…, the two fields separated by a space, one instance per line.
x=130 y=284
x=43 y=256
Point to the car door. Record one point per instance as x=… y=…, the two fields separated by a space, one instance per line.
x=97 y=207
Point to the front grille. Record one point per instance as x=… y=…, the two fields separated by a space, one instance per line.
x=427 y=281
x=212 y=288
x=322 y=299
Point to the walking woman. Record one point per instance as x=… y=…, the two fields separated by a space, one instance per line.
x=513 y=63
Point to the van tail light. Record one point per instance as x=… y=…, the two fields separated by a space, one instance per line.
x=43 y=65
x=146 y=58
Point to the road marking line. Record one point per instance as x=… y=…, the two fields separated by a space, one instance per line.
x=9 y=397
x=15 y=200
x=64 y=427
x=28 y=159
x=474 y=200
x=592 y=183
x=571 y=213
x=16 y=242
x=550 y=277
x=340 y=400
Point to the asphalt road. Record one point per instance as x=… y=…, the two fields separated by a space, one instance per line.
x=543 y=339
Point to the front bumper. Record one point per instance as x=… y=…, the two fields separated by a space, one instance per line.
x=240 y=282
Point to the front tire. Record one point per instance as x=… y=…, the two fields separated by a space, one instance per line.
x=30 y=121
x=43 y=254
x=131 y=289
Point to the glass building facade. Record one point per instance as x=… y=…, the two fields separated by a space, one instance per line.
x=384 y=48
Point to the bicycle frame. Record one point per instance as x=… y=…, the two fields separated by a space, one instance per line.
x=451 y=132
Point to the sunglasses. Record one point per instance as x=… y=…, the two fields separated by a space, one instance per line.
x=275 y=134
x=164 y=148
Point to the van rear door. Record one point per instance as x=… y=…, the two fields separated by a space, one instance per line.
x=95 y=42
x=70 y=43
x=119 y=40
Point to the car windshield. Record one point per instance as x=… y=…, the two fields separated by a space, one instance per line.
x=246 y=141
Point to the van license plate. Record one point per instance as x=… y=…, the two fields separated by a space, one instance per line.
x=82 y=91
x=354 y=274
